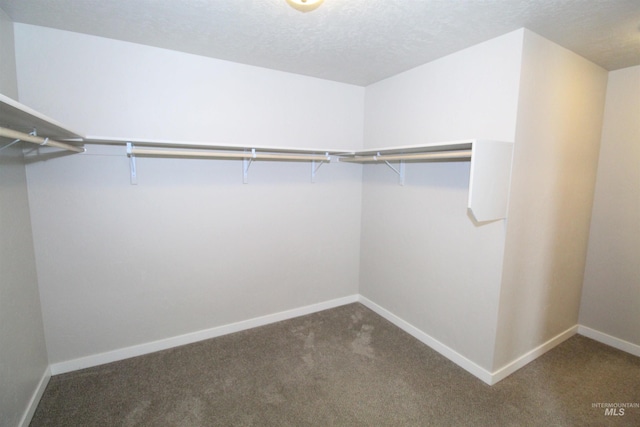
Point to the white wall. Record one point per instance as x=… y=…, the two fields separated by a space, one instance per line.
x=104 y=87
x=470 y=94
x=554 y=168
x=23 y=354
x=8 y=80
x=611 y=292
x=422 y=256
x=190 y=247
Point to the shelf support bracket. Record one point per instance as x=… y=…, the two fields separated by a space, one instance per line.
x=15 y=141
x=400 y=171
x=315 y=166
x=132 y=164
x=10 y=144
x=246 y=163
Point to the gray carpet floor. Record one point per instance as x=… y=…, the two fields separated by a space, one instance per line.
x=341 y=367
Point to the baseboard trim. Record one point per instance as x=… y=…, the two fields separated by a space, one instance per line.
x=460 y=360
x=479 y=372
x=530 y=356
x=436 y=345
x=150 y=347
x=35 y=399
x=609 y=340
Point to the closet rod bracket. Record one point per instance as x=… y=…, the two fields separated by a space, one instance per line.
x=315 y=166
x=132 y=164
x=400 y=171
x=17 y=140
x=246 y=163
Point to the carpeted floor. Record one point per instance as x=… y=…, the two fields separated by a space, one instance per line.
x=342 y=367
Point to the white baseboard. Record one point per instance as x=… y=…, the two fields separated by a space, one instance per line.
x=146 y=348
x=436 y=345
x=35 y=399
x=492 y=378
x=530 y=356
x=465 y=363
x=479 y=372
x=612 y=341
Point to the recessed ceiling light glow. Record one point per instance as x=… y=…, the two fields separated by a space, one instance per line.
x=305 y=5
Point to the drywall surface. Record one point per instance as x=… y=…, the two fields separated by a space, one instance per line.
x=190 y=247
x=109 y=88
x=423 y=258
x=8 y=80
x=23 y=353
x=611 y=291
x=555 y=159
x=469 y=94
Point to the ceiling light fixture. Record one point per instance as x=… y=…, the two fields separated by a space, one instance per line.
x=305 y=5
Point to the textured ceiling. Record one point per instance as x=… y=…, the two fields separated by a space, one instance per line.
x=352 y=41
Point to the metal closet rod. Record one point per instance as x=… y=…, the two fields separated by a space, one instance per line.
x=13 y=134
x=252 y=155
x=457 y=154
